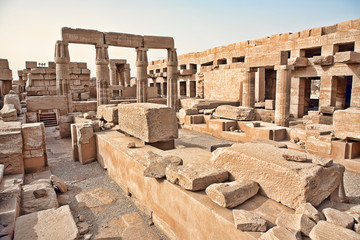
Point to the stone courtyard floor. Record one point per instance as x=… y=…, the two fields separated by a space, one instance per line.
x=97 y=200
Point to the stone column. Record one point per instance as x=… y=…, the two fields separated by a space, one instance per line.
x=102 y=75
x=141 y=74
x=355 y=91
x=127 y=75
x=62 y=60
x=172 y=79
x=260 y=85
x=328 y=89
x=113 y=80
x=248 y=98
x=282 y=101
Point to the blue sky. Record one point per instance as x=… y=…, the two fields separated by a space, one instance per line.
x=29 y=29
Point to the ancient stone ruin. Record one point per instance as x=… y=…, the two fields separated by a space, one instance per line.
x=254 y=140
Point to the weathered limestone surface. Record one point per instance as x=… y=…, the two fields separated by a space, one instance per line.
x=297 y=222
x=35 y=103
x=195 y=177
x=231 y=194
x=109 y=112
x=278 y=233
x=235 y=113
x=13 y=99
x=346 y=123
x=249 y=221
x=86 y=143
x=8 y=113
x=323 y=60
x=309 y=210
x=325 y=230
x=11 y=152
x=39 y=195
x=56 y=224
x=157 y=164
x=322 y=161
x=58 y=183
x=288 y=182
x=148 y=122
x=339 y=218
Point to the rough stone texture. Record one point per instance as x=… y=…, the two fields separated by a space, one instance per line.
x=56 y=224
x=323 y=60
x=278 y=233
x=339 y=218
x=296 y=157
x=231 y=194
x=9 y=211
x=183 y=112
x=157 y=164
x=58 y=183
x=8 y=113
x=195 y=177
x=346 y=123
x=325 y=230
x=86 y=143
x=109 y=112
x=297 y=222
x=11 y=152
x=39 y=195
x=288 y=182
x=310 y=211
x=148 y=122
x=249 y=221
x=13 y=99
x=322 y=161
x=235 y=113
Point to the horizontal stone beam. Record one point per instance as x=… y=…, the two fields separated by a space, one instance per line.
x=83 y=36
x=158 y=42
x=124 y=40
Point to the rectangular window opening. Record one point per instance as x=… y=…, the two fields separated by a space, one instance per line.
x=238 y=59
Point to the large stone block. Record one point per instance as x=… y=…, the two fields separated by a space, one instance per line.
x=288 y=182
x=296 y=222
x=33 y=135
x=325 y=230
x=86 y=143
x=346 y=123
x=35 y=103
x=148 y=121
x=109 y=112
x=13 y=99
x=8 y=113
x=84 y=36
x=11 y=145
x=158 y=42
x=123 y=40
x=48 y=224
x=235 y=113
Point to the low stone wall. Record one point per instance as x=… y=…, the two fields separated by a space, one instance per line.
x=84 y=106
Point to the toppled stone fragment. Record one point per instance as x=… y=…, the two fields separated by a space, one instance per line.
x=232 y=194
x=58 y=183
x=298 y=157
x=249 y=221
x=83 y=227
x=8 y=113
x=13 y=99
x=322 y=161
x=84 y=133
x=195 y=177
x=278 y=233
x=297 y=222
x=339 y=218
x=157 y=164
x=310 y=211
x=187 y=111
x=235 y=113
x=325 y=230
x=48 y=224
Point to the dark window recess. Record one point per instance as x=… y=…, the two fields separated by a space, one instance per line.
x=222 y=61
x=151 y=71
x=157 y=70
x=311 y=52
x=207 y=64
x=193 y=66
x=183 y=66
x=346 y=47
x=164 y=69
x=238 y=59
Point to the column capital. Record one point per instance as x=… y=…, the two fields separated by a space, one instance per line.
x=172 y=59
x=141 y=57
x=102 y=55
x=61 y=55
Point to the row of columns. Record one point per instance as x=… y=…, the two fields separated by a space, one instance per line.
x=120 y=77
x=62 y=60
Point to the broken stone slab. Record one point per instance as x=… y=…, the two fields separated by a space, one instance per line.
x=323 y=60
x=183 y=112
x=9 y=211
x=13 y=99
x=39 y=195
x=347 y=57
x=249 y=221
x=346 y=123
x=47 y=224
x=278 y=233
x=339 y=218
x=8 y=113
x=232 y=194
x=195 y=177
x=108 y=112
x=296 y=157
x=84 y=133
x=58 y=183
x=296 y=222
x=301 y=181
x=325 y=230
x=33 y=135
x=235 y=113
x=148 y=121
x=310 y=211
x=322 y=161
x=157 y=164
